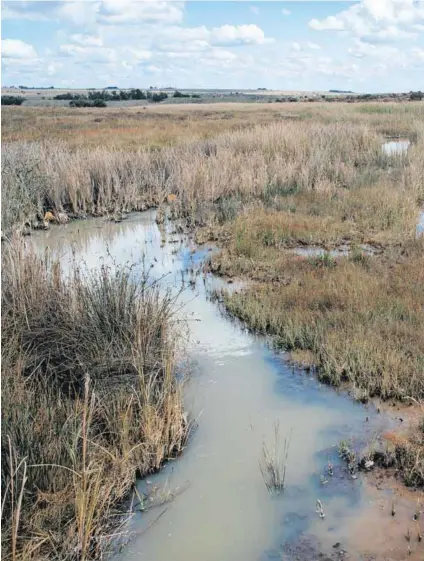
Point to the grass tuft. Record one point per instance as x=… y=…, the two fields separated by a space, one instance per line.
x=90 y=399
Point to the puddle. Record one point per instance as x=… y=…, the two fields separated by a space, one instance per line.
x=396 y=147
x=341 y=251
x=237 y=391
x=420 y=225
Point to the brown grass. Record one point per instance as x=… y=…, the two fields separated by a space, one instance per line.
x=89 y=399
x=265 y=163
x=134 y=127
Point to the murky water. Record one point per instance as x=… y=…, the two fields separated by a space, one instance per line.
x=396 y=147
x=238 y=390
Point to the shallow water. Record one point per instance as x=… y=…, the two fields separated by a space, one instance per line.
x=396 y=147
x=237 y=391
x=341 y=251
x=420 y=225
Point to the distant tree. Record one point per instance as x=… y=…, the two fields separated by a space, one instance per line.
x=12 y=100
x=87 y=103
x=69 y=96
x=180 y=94
x=137 y=94
x=106 y=96
x=416 y=96
x=158 y=97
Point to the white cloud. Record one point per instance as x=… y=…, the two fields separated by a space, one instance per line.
x=78 y=13
x=331 y=23
x=134 y=12
x=17 y=49
x=285 y=12
x=87 y=40
x=376 y=21
x=254 y=10
x=227 y=35
x=363 y=49
x=389 y=35
x=33 y=11
x=89 y=54
x=313 y=46
x=201 y=38
x=88 y=12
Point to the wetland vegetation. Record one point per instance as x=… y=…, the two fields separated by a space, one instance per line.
x=259 y=181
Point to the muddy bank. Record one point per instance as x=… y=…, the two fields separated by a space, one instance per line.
x=238 y=390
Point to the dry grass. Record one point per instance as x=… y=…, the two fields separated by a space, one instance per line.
x=129 y=129
x=158 y=126
x=89 y=399
x=264 y=163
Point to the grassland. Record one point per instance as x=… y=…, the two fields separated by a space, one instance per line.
x=260 y=180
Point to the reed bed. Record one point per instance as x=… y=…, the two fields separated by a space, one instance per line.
x=247 y=164
x=89 y=400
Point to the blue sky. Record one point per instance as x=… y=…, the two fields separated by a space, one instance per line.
x=367 y=46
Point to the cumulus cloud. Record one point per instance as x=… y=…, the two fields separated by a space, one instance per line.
x=17 y=49
x=376 y=21
x=227 y=35
x=87 y=12
x=201 y=38
x=133 y=12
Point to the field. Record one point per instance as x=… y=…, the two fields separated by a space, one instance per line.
x=268 y=183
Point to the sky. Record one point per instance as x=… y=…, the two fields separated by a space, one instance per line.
x=366 y=46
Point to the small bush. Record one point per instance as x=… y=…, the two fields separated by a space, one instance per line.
x=87 y=103
x=12 y=100
x=324 y=260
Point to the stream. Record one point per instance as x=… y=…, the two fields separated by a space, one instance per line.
x=237 y=390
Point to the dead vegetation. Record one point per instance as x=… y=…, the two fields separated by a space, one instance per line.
x=89 y=400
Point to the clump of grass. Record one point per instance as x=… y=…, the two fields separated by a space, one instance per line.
x=348 y=455
x=273 y=462
x=90 y=399
x=323 y=260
